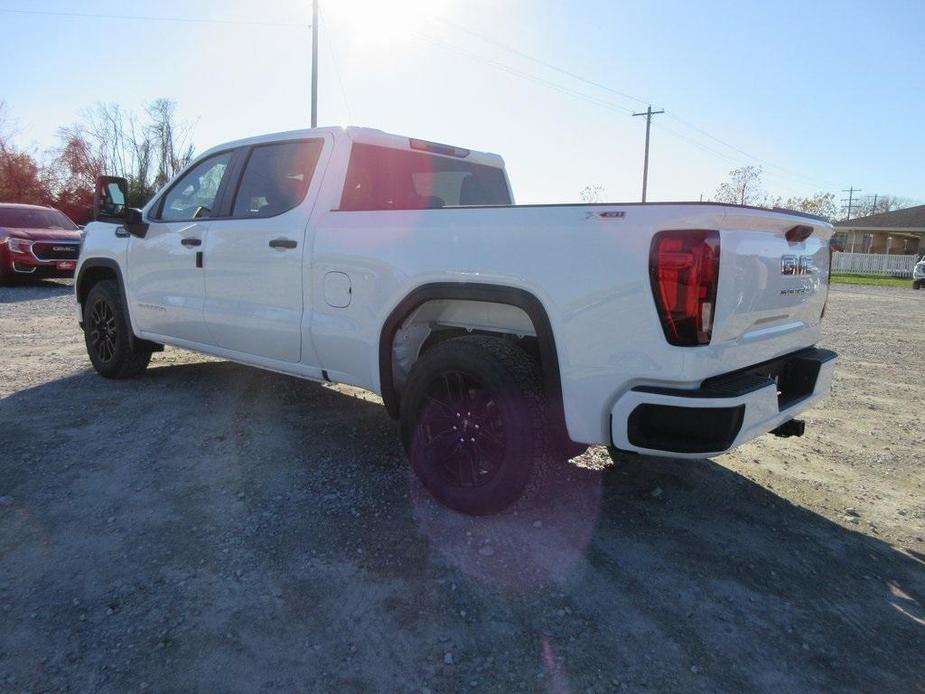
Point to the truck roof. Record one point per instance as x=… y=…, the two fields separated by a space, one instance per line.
x=369 y=136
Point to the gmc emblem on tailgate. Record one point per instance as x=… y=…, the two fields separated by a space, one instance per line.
x=796 y=265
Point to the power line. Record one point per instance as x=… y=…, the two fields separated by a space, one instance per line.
x=504 y=67
x=337 y=75
x=736 y=161
x=314 y=63
x=648 y=113
x=497 y=64
x=749 y=157
x=539 y=61
x=153 y=18
x=518 y=73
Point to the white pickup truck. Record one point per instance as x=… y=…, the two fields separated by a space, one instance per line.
x=502 y=336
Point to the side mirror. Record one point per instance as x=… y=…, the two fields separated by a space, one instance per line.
x=110 y=205
x=135 y=223
x=109 y=200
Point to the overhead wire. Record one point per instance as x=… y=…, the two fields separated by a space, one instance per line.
x=744 y=156
x=155 y=18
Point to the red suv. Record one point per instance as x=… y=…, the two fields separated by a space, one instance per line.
x=36 y=242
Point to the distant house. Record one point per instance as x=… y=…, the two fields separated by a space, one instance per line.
x=900 y=232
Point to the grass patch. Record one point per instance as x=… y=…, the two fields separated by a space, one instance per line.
x=848 y=278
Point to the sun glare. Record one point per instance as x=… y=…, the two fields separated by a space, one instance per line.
x=376 y=23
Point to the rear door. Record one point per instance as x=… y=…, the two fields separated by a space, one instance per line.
x=255 y=256
x=166 y=285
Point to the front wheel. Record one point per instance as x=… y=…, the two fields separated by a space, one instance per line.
x=473 y=420
x=108 y=335
x=917 y=284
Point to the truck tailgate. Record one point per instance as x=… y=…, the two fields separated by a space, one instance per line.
x=770 y=284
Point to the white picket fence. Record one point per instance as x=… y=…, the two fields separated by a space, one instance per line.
x=874 y=264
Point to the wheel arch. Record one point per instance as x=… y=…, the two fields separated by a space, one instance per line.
x=94 y=270
x=469 y=291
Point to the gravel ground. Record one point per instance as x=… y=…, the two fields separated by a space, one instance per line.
x=212 y=527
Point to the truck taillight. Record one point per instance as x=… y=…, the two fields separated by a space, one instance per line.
x=684 y=270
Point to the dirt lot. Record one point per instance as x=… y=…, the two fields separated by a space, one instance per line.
x=211 y=527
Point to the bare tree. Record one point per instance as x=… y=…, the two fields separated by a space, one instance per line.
x=591 y=194
x=877 y=204
x=743 y=187
x=147 y=152
x=820 y=204
x=170 y=141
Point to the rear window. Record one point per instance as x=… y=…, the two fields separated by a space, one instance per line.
x=380 y=178
x=28 y=218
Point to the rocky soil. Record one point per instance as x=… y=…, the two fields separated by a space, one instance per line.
x=212 y=527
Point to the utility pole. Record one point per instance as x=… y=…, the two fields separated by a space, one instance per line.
x=314 y=63
x=648 y=113
x=873 y=208
x=851 y=191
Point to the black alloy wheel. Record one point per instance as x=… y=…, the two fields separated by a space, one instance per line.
x=473 y=420
x=461 y=431
x=102 y=331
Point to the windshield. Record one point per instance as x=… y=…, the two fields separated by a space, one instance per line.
x=34 y=218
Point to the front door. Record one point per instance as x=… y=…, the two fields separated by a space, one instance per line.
x=166 y=284
x=254 y=259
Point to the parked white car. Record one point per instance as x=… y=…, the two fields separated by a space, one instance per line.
x=918 y=274
x=501 y=336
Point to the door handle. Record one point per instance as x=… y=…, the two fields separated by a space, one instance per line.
x=283 y=243
x=189 y=243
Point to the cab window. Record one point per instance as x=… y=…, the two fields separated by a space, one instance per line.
x=381 y=178
x=193 y=196
x=276 y=178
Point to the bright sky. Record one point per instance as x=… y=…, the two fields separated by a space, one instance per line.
x=825 y=94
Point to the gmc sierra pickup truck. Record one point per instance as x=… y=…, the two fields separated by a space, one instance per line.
x=502 y=336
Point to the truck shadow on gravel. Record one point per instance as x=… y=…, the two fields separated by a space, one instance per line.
x=215 y=527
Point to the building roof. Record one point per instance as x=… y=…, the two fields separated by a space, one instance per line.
x=909 y=218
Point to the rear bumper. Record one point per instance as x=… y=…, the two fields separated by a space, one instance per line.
x=725 y=411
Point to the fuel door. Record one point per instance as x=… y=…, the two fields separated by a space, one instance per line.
x=337 y=289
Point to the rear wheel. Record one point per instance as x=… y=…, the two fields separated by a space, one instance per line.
x=108 y=335
x=917 y=284
x=473 y=420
